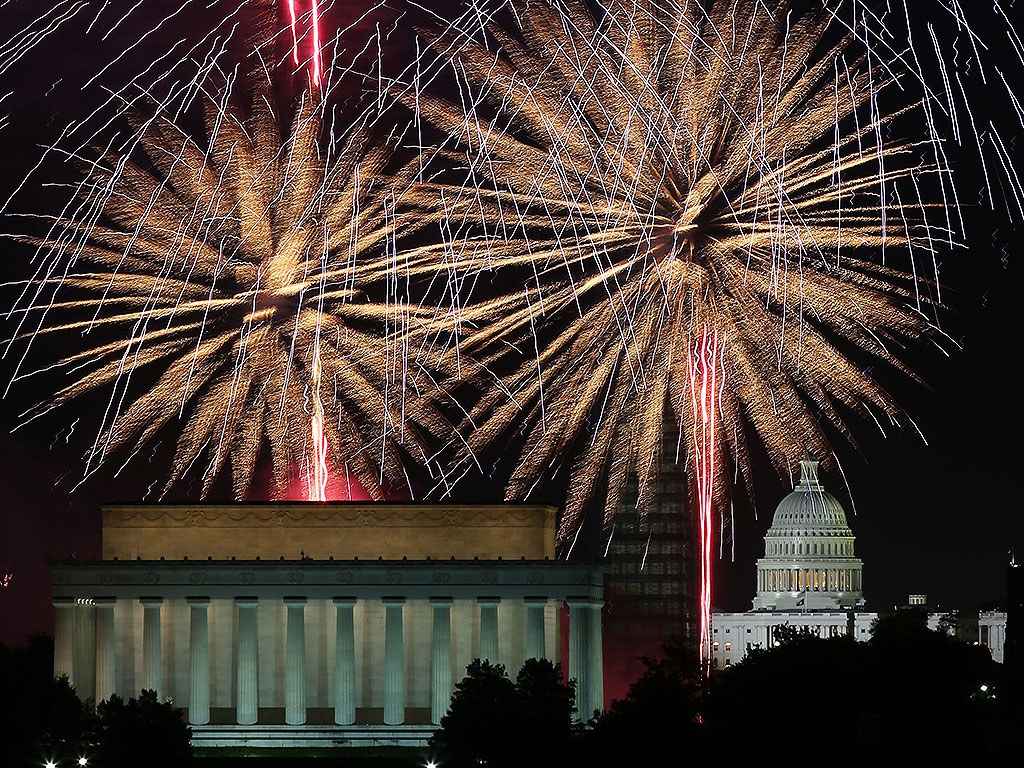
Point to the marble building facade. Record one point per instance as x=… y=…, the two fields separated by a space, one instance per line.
x=331 y=625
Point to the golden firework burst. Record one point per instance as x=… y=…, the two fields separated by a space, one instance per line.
x=241 y=282
x=648 y=170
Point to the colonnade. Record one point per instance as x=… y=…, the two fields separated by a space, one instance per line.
x=810 y=579
x=584 y=663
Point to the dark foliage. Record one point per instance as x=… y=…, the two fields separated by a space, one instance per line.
x=908 y=696
x=141 y=729
x=911 y=694
x=43 y=719
x=657 y=723
x=40 y=718
x=495 y=722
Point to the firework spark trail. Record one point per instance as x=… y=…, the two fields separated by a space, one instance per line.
x=702 y=367
x=318 y=476
x=622 y=190
x=316 y=59
x=211 y=261
x=168 y=278
x=190 y=58
x=643 y=170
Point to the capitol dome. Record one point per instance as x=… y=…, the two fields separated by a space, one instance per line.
x=809 y=561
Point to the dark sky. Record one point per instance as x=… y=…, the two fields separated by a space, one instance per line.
x=936 y=518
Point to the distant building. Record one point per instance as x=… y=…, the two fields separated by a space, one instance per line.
x=809 y=577
x=992 y=633
x=321 y=625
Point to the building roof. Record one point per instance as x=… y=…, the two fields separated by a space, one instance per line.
x=809 y=507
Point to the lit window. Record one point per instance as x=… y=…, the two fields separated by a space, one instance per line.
x=716 y=645
x=728 y=646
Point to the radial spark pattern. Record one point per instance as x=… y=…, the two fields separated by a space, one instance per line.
x=651 y=170
x=219 y=283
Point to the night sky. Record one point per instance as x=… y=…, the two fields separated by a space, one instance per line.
x=936 y=517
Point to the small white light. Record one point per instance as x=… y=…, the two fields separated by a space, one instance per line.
x=431 y=764
x=51 y=764
x=984 y=687
x=82 y=761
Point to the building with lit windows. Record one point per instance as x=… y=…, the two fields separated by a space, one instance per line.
x=327 y=625
x=809 y=577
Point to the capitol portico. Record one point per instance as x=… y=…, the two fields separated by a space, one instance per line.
x=329 y=625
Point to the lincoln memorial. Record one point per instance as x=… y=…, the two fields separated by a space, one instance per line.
x=301 y=624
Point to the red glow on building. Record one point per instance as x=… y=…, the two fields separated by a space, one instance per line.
x=339 y=486
x=702 y=367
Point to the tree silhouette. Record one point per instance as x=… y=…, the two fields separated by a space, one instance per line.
x=658 y=721
x=141 y=730
x=495 y=722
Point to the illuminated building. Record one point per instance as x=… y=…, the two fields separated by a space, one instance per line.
x=809 y=577
x=320 y=625
x=1000 y=631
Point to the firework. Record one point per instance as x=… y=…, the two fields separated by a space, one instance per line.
x=642 y=169
x=649 y=175
x=221 y=285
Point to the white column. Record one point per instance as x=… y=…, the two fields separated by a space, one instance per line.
x=578 y=616
x=64 y=638
x=85 y=647
x=247 y=698
x=295 y=662
x=441 y=669
x=152 y=655
x=106 y=659
x=535 y=626
x=199 y=661
x=585 y=655
x=344 y=663
x=394 y=661
x=595 y=653
x=489 y=628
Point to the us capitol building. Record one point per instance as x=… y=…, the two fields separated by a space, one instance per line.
x=809 y=577
x=811 y=580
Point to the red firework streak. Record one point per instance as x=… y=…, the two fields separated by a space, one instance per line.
x=316 y=480
x=316 y=59
x=702 y=368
